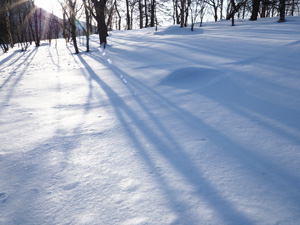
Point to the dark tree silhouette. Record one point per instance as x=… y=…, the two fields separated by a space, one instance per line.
x=100 y=18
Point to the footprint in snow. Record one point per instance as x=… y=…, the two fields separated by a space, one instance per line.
x=70 y=186
x=3 y=197
x=129 y=185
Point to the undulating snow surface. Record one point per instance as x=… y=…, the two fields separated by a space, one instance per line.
x=166 y=127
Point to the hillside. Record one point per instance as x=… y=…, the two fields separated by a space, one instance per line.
x=166 y=127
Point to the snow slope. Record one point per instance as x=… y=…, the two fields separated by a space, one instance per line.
x=167 y=127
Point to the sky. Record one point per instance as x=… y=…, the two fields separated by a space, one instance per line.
x=50 y=5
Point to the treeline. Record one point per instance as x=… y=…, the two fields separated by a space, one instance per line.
x=23 y=23
x=143 y=13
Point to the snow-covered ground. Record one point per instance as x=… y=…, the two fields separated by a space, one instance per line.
x=172 y=127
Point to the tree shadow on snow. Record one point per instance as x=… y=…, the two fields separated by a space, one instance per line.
x=166 y=145
x=220 y=88
x=16 y=76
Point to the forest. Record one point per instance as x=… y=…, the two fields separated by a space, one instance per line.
x=23 y=23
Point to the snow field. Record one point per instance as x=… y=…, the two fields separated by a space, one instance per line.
x=167 y=127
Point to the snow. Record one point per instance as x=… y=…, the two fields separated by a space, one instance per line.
x=166 y=127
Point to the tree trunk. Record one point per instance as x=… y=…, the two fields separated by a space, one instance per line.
x=293 y=8
x=189 y=2
x=88 y=25
x=177 y=14
x=221 y=9
x=233 y=11
x=64 y=25
x=73 y=25
x=282 y=10
x=128 y=15
x=131 y=16
x=182 y=13
x=100 y=17
x=192 y=22
x=119 y=24
x=103 y=28
x=73 y=33
x=216 y=13
x=110 y=17
x=146 y=14
x=152 y=18
x=255 y=9
x=141 y=14
x=37 y=25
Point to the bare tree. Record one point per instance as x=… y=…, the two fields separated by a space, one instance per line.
x=146 y=13
x=197 y=9
x=128 y=15
x=176 y=19
x=88 y=31
x=221 y=9
x=5 y=35
x=282 y=10
x=182 y=10
x=153 y=15
x=65 y=24
x=70 y=11
x=110 y=10
x=35 y=23
x=100 y=18
x=234 y=8
x=255 y=9
x=53 y=27
x=72 y=20
x=22 y=16
x=119 y=15
x=215 y=4
x=186 y=11
x=141 y=13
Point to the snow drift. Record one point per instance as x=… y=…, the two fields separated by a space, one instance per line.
x=170 y=127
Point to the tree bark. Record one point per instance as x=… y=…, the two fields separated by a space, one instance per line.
x=221 y=9
x=72 y=21
x=282 y=10
x=255 y=9
x=88 y=25
x=187 y=8
x=37 y=19
x=100 y=17
x=128 y=15
x=119 y=24
x=152 y=18
x=146 y=14
x=73 y=25
x=182 y=13
x=141 y=14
